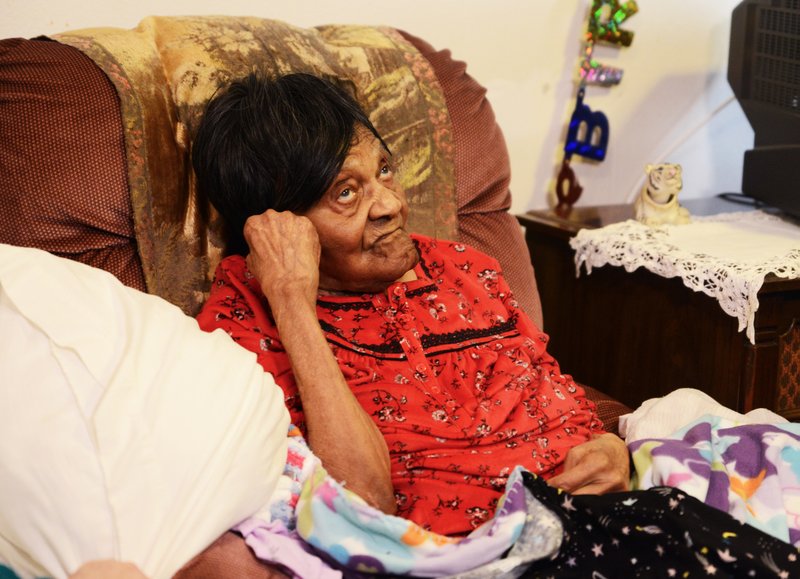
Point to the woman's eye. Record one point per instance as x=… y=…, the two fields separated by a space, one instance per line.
x=346 y=194
x=386 y=169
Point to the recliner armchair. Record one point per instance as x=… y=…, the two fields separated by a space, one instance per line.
x=96 y=132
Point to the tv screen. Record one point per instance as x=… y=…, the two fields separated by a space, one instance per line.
x=764 y=73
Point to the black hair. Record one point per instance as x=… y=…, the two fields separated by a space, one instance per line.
x=273 y=143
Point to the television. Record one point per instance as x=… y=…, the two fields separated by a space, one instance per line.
x=764 y=73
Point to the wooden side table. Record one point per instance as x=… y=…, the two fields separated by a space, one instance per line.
x=638 y=335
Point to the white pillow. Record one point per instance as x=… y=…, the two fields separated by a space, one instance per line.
x=126 y=432
x=660 y=417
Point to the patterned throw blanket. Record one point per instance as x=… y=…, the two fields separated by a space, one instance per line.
x=751 y=471
x=313 y=515
x=317 y=528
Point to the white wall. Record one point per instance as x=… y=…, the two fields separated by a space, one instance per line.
x=673 y=104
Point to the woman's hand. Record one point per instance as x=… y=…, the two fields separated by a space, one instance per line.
x=284 y=258
x=107 y=569
x=601 y=465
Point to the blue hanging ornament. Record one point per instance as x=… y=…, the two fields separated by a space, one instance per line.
x=587 y=134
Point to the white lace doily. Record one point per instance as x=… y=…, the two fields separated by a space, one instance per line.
x=725 y=256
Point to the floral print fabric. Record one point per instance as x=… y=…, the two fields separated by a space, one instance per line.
x=454 y=374
x=167 y=68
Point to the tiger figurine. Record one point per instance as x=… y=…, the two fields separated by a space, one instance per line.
x=657 y=203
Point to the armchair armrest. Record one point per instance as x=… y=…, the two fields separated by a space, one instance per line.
x=608 y=409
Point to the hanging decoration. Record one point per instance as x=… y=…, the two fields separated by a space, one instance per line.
x=588 y=131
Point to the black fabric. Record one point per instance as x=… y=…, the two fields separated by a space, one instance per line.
x=660 y=532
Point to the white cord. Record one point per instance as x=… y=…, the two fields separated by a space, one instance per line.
x=685 y=137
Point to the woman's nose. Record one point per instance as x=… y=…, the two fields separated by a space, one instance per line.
x=386 y=202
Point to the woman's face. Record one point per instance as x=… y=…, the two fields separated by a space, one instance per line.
x=361 y=222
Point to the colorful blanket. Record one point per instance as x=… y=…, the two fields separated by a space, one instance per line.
x=748 y=473
x=316 y=528
x=312 y=510
x=751 y=471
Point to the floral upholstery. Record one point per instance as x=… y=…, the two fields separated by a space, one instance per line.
x=165 y=71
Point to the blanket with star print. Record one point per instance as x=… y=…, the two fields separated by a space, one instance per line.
x=658 y=532
x=537 y=531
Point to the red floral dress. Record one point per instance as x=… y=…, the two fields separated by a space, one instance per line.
x=454 y=374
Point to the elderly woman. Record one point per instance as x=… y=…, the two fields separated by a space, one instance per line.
x=405 y=360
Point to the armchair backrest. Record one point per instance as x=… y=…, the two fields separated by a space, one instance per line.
x=97 y=127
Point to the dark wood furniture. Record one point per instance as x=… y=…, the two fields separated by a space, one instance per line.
x=638 y=335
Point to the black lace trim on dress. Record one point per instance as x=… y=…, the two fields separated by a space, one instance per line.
x=428 y=340
x=345 y=306
x=459 y=336
x=353 y=306
x=422 y=263
x=392 y=347
x=421 y=290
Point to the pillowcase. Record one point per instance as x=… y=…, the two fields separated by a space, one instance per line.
x=126 y=432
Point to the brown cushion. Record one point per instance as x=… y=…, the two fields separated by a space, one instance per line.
x=62 y=158
x=608 y=409
x=483 y=173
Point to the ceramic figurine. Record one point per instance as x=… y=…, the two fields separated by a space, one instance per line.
x=657 y=203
